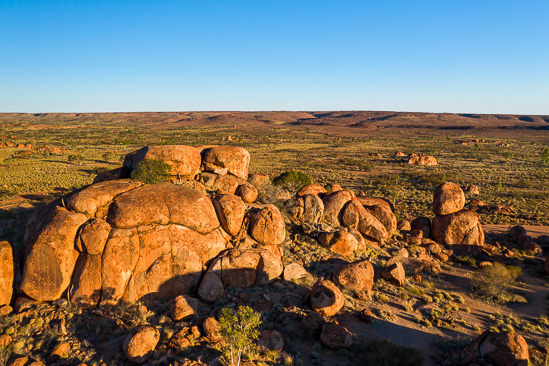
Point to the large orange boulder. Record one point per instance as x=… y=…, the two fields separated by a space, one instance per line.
x=385 y=215
x=153 y=243
x=51 y=259
x=230 y=211
x=356 y=216
x=247 y=192
x=426 y=160
x=502 y=349
x=235 y=159
x=357 y=276
x=183 y=160
x=460 y=228
x=6 y=273
x=334 y=203
x=448 y=198
x=267 y=225
x=326 y=298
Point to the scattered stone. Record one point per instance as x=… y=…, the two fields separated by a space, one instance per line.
x=211 y=329
x=140 y=343
x=366 y=316
x=5 y=310
x=404 y=225
x=357 y=276
x=184 y=307
x=336 y=336
x=414 y=237
x=62 y=350
x=394 y=274
x=472 y=189
x=271 y=340
x=294 y=272
x=326 y=298
x=5 y=340
x=502 y=349
x=341 y=242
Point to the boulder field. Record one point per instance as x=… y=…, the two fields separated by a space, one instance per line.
x=121 y=239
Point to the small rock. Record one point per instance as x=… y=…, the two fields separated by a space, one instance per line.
x=211 y=329
x=271 y=340
x=5 y=310
x=5 y=340
x=62 y=350
x=140 y=343
x=394 y=274
x=366 y=316
x=294 y=271
x=336 y=336
x=404 y=225
x=184 y=307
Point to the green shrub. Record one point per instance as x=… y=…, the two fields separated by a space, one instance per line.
x=151 y=171
x=545 y=156
x=239 y=330
x=292 y=180
x=493 y=282
x=76 y=158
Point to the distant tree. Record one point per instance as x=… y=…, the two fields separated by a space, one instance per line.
x=239 y=330
x=545 y=156
x=151 y=171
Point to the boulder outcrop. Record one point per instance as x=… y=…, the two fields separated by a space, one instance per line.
x=326 y=298
x=183 y=160
x=460 y=228
x=235 y=159
x=448 y=198
x=503 y=349
x=6 y=273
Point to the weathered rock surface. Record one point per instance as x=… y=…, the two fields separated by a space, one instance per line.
x=267 y=226
x=6 y=273
x=326 y=298
x=357 y=276
x=333 y=204
x=140 y=343
x=336 y=336
x=307 y=208
x=448 y=198
x=235 y=159
x=51 y=259
x=247 y=192
x=423 y=224
x=184 y=307
x=294 y=272
x=385 y=215
x=394 y=273
x=460 y=228
x=340 y=241
x=211 y=329
x=230 y=211
x=356 y=216
x=182 y=159
x=502 y=349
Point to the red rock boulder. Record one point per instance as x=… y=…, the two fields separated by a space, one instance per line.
x=326 y=298
x=460 y=228
x=502 y=349
x=448 y=198
x=182 y=159
x=140 y=343
x=235 y=159
x=6 y=273
x=357 y=276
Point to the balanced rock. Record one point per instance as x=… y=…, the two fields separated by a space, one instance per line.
x=448 y=198
x=235 y=159
x=460 y=228
x=140 y=343
x=326 y=298
x=183 y=160
x=502 y=349
x=357 y=276
x=335 y=336
x=6 y=273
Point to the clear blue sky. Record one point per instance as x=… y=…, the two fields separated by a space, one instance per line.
x=478 y=56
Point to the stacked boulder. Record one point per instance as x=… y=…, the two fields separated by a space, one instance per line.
x=123 y=239
x=453 y=225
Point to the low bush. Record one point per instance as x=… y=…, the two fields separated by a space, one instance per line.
x=151 y=171
x=494 y=282
x=292 y=180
